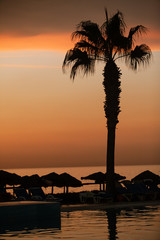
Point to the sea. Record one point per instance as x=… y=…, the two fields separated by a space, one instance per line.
x=127 y=223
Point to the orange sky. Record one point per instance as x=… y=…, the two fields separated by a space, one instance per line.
x=60 y=42
x=45 y=119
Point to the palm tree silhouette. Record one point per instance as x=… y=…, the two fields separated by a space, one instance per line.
x=107 y=44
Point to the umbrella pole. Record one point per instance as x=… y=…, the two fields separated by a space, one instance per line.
x=67 y=189
x=64 y=189
x=13 y=189
x=103 y=186
x=100 y=189
x=52 y=189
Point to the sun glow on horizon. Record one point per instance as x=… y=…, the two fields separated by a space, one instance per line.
x=47 y=120
x=59 y=42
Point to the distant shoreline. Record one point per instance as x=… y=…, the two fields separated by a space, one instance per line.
x=59 y=167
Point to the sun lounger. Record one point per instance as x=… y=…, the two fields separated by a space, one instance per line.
x=38 y=194
x=154 y=189
x=86 y=197
x=122 y=193
x=21 y=194
x=91 y=197
x=102 y=197
x=138 y=191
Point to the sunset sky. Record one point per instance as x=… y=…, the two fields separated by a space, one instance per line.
x=47 y=120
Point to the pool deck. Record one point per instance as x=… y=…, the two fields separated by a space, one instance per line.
x=77 y=207
x=17 y=203
x=121 y=205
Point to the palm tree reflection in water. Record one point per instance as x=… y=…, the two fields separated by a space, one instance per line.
x=112 y=224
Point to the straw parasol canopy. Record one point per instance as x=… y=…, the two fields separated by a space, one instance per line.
x=117 y=177
x=32 y=181
x=51 y=179
x=7 y=178
x=66 y=180
x=100 y=177
x=147 y=175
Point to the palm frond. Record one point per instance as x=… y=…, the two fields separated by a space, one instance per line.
x=90 y=48
x=86 y=67
x=117 y=23
x=88 y=31
x=141 y=55
x=138 y=30
x=80 y=60
x=115 y=26
x=106 y=13
x=104 y=44
x=135 y=31
x=122 y=44
x=81 y=34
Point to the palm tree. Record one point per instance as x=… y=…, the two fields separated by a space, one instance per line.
x=107 y=44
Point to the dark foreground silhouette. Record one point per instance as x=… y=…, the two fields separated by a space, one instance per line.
x=107 y=44
x=143 y=187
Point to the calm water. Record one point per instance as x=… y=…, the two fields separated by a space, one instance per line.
x=127 y=224
x=123 y=224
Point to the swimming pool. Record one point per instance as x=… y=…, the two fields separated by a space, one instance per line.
x=123 y=224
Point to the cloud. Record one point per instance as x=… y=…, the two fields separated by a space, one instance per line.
x=34 y=17
x=29 y=66
x=59 y=42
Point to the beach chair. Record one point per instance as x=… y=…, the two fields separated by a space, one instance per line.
x=138 y=191
x=153 y=189
x=2 y=189
x=37 y=194
x=21 y=194
x=122 y=194
x=86 y=197
x=102 y=197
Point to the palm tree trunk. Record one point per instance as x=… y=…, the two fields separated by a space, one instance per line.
x=112 y=90
x=110 y=164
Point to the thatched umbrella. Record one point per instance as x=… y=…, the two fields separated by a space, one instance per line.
x=147 y=175
x=98 y=177
x=32 y=181
x=101 y=178
x=7 y=178
x=66 y=180
x=51 y=179
x=117 y=177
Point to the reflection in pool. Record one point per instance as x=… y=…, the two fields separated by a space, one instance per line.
x=123 y=224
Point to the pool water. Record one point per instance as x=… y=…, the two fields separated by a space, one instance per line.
x=123 y=224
